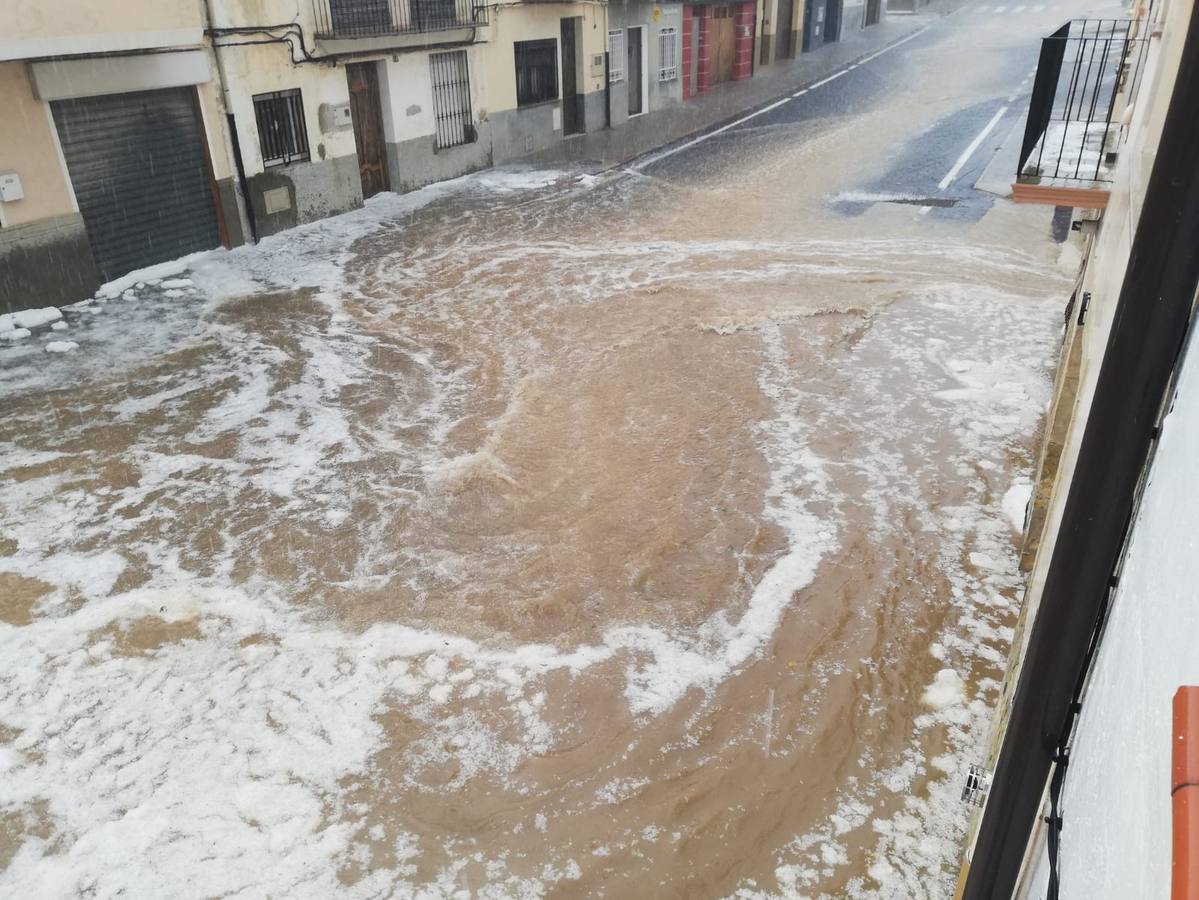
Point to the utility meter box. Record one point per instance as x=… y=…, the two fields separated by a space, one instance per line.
x=10 y=187
x=597 y=65
x=334 y=117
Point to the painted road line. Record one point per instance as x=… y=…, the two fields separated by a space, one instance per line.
x=966 y=154
x=775 y=105
x=1000 y=9
x=832 y=77
x=1017 y=10
x=969 y=151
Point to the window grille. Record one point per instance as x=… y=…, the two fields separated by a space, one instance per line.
x=668 y=54
x=451 y=98
x=282 y=136
x=616 y=55
x=536 y=71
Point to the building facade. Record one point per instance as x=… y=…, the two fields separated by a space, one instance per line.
x=352 y=98
x=718 y=45
x=120 y=159
x=157 y=128
x=645 y=42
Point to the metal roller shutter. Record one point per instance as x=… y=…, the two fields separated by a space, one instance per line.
x=140 y=175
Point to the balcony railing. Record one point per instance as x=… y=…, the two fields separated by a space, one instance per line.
x=379 y=18
x=1085 y=67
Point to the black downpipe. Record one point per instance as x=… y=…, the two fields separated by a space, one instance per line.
x=241 y=179
x=1147 y=333
x=607 y=91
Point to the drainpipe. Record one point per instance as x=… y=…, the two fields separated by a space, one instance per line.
x=232 y=144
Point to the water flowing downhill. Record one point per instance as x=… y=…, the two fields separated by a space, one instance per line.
x=544 y=534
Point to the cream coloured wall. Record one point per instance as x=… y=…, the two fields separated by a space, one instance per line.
x=40 y=28
x=29 y=148
x=262 y=69
x=407 y=93
x=530 y=22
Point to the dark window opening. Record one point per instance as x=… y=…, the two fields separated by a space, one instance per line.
x=281 y=132
x=536 y=71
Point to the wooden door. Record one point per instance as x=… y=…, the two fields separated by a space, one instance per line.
x=367 y=115
x=784 y=46
x=723 y=43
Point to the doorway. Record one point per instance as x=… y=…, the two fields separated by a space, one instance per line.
x=140 y=171
x=874 y=11
x=784 y=42
x=634 y=70
x=367 y=116
x=572 y=100
x=724 y=40
x=813 y=24
x=832 y=22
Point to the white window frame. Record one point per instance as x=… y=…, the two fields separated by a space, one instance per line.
x=668 y=53
x=616 y=55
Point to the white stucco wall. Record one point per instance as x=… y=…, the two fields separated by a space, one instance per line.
x=1116 y=831
x=406 y=90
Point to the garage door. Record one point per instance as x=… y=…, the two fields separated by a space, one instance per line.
x=139 y=172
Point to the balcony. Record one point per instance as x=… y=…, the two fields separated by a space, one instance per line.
x=355 y=19
x=1087 y=76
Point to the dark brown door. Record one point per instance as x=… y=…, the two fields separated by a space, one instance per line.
x=572 y=100
x=784 y=46
x=723 y=43
x=367 y=115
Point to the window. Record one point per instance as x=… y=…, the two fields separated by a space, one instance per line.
x=668 y=54
x=536 y=71
x=451 y=98
x=616 y=55
x=281 y=133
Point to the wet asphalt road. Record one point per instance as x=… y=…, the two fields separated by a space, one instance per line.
x=935 y=164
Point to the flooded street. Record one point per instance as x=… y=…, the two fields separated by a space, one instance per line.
x=549 y=533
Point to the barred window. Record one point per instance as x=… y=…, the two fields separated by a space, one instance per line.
x=668 y=54
x=616 y=55
x=536 y=71
x=451 y=98
x=282 y=136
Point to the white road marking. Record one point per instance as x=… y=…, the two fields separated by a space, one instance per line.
x=969 y=151
x=966 y=154
x=1000 y=9
x=982 y=10
x=765 y=109
x=1017 y=10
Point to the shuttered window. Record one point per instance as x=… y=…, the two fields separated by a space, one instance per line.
x=616 y=55
x=668 y=54
x=281 y=132
x=451 y=98
x=536 y=71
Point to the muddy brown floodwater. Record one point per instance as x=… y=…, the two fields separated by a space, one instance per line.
x=631 y=536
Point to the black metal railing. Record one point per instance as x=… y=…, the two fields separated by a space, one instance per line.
x=1084 y=68
x=375 y=18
